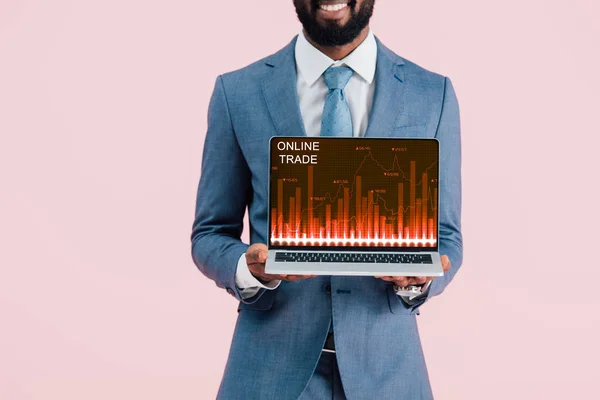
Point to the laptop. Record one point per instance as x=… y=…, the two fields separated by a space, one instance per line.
x=353 y=206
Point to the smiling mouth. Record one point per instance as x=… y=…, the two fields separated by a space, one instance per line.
x=333 y=7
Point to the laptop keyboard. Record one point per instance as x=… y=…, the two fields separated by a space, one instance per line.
x=287 y=256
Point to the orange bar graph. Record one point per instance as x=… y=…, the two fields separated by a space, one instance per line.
x=418 y=219
x=370 y=215
x=310 y=195
x=328 y=220
x=340 y=219
x=376 y=221
x=305 y=210
x=363 y=223
x=435 y=212
x=423 y=214
x=292 y=218
x=400 y=209
x=358 y=196
x=412 y=211
x=346 y=212
x=430 y=229
x=280 y=207
x=298 y=222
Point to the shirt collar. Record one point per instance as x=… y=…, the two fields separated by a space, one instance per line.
x=311 y=63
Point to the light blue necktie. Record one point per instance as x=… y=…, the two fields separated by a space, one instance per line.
x=337 y=120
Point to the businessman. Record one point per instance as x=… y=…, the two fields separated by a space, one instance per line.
x=307 y=337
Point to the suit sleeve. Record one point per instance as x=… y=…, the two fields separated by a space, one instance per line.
x=223 y=194
x=450 y=236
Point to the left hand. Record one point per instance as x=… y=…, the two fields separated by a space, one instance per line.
x=416 y=280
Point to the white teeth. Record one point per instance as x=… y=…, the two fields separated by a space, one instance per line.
x=332 y=7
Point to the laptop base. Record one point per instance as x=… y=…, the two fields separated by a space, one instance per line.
x=354 y=269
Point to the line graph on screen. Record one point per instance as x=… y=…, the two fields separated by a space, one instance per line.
x=372 y=194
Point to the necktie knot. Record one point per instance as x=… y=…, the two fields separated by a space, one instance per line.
x=337 y=77
x=337 y=120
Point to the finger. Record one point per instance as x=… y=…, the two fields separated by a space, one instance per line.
x=256 y=256
x=420 y=280
x=417 y=280
x=288 y=277
x=298 y=277
x=269 y=277
x=446 y=264
x=408 y=281
x=293 y=278
x=401 y=281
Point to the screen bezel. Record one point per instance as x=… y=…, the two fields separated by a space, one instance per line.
x=390 y=249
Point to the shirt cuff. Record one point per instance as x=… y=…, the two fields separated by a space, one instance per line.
x=245 y=280
x=413 y=299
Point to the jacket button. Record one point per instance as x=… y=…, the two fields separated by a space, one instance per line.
x=327 y=288
x=230 y=291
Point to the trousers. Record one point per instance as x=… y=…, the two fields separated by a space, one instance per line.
x=325 y=383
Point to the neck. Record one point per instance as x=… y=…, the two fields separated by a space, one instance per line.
x=336 y=53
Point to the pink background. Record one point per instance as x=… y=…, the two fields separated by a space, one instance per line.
x=102 y=115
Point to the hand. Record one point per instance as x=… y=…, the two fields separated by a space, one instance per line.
x=402 y=281
x=256 y=256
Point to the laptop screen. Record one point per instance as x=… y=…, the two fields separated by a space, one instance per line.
x=355 y=193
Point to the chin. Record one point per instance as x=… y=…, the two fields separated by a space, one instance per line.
x=333 y=23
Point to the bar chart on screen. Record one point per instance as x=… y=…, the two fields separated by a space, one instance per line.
x=364 y=192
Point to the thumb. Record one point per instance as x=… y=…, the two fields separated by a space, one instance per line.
x=262 y=256
x=257 y=253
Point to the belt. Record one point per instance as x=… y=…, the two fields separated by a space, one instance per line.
x=329 y=346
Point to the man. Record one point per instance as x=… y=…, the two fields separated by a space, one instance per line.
x=283 y=345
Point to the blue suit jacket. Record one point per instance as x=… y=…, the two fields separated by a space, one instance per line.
x=279 y=334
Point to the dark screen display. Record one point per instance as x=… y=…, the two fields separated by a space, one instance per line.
x=355 y=192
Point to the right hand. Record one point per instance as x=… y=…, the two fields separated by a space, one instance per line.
x=256 y=256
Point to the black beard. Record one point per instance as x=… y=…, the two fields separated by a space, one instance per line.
x=332 y=34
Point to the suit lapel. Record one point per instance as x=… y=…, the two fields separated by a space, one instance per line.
x=389 y=93
x=281 y=95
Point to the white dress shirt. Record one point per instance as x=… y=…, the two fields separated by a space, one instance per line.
x=312 y=92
